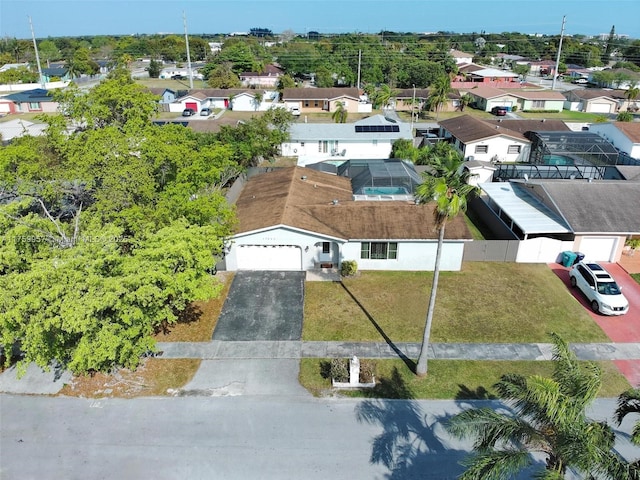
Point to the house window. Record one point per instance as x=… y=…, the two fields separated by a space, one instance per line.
x=375 y=142
x=538 y=104
x=326 y=247
x=379 y=250
x=306 y=103
x=316 y=103
x=482 y=148
x=35 y=106
x=302 y=144
x=513 y=149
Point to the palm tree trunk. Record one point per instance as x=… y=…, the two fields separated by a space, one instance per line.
x=421 y=368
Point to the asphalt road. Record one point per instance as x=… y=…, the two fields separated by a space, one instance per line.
x=246 y=437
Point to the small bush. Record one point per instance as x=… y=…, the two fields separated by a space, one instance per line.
x=340 y=369
x=367 y=371
x=633 y=243
x=348 y=268
x=514 y=108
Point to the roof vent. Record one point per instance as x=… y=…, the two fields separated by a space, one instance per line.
x=303 y=177
x=335 y=201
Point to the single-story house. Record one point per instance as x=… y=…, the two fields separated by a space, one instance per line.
x=479 y=140
x=625 y=136
x=255 y=101
x=370 y=137
x=404 y=100
x=542 y=68
x=268 y=78
x=461 y=57
x=594 y=100
x=36 y=100
x=50 y=74
x=222 y=98
x=472 y=75
x=310 y=100
x=167 y=95
x=485 y=98
x=592 y=217
x=301 y=219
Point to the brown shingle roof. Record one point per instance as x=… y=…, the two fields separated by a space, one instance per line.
x=319 y=93
x=591 y=93
x=469 y=129
x=630 y=129
x=283 y=197
x=523 y=126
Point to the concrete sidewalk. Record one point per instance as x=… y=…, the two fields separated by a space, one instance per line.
x=440 y=351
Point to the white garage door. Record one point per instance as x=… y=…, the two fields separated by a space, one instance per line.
x=598 y=249
x=600 y=108
x=269 y=257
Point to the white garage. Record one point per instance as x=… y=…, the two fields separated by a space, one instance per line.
x=269 y=257
x=599 y=249
x=600 y=108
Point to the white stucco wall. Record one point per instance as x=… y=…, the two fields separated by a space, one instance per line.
x=412 y=255
x=307 y=151
x=498 y=146
x=610 y=133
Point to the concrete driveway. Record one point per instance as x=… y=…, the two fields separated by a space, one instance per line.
x=262 y=305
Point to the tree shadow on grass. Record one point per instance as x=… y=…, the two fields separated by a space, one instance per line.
x=480 y=393
x=408 y=362
x=190 y=314
x=410 y=444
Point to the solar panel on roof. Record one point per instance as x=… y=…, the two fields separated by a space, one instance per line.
x=377 y=128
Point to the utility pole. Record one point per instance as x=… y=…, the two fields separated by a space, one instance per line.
x=359 y=60
x=413 y=106
x=186 y=39
x=555 y=73
x=35 y=46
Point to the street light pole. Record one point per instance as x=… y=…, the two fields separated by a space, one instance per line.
x=413 y=105
x=555 y=73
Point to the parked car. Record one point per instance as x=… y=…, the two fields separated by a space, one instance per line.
x=499 y=111
x=599 y=287
x=295 y=111
x=205 y=112
x=580 y=81
x=178 y=77
x=188 y=112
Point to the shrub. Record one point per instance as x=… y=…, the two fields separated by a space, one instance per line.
x=367 y=371
x=348 y=268
x=339 y=369
x=633 y=242
x=514 y=108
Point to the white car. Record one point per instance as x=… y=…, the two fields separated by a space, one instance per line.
x=599 y=287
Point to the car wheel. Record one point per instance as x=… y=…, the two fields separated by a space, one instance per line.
x=594 y=306
x=573 y=281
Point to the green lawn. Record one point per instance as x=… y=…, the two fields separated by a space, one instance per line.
x=485 y=302
x=463 y=380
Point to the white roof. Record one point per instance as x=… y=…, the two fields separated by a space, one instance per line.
x=526 y=211
x=493 y=72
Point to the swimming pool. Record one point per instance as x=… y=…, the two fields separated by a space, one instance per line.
x=384 y=191
x=557 y=160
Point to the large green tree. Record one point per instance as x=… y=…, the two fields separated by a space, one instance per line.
x=107 y=234
x=445 y=184
x=549 y=417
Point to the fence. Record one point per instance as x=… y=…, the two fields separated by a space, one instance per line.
x=533 y=250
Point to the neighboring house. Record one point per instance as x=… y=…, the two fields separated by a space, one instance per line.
x=592 y=217
x=404 y=100
x=625 y=136
x=55 y=73
x=542 y=68
x=594 y=100
x=255 y=101
x=314 y=100
x=370 y=137
x=216 y=98
x=268 y=78
x=621 y=78
x=36 y=100
x=461 y=57
x=470 y=76
x=19 y=128
x=485 y=98
x=9 y=66
x=195 y=100
x=302 y=219
x=481 y=141
x=166 y=95
x=167 y=73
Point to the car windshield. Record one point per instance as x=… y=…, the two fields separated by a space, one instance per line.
x=608 y=288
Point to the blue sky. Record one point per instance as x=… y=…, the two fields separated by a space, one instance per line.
x=117 y=17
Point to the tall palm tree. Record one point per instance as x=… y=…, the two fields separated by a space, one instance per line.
x=631 y=94
x=446 y=184
x=439 y=94
x=548 y=417
x=340 y=114
x=385 y=95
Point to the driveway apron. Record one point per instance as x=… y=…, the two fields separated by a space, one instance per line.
x=262 y=305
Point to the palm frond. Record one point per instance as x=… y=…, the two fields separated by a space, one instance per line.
x=495 y=464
